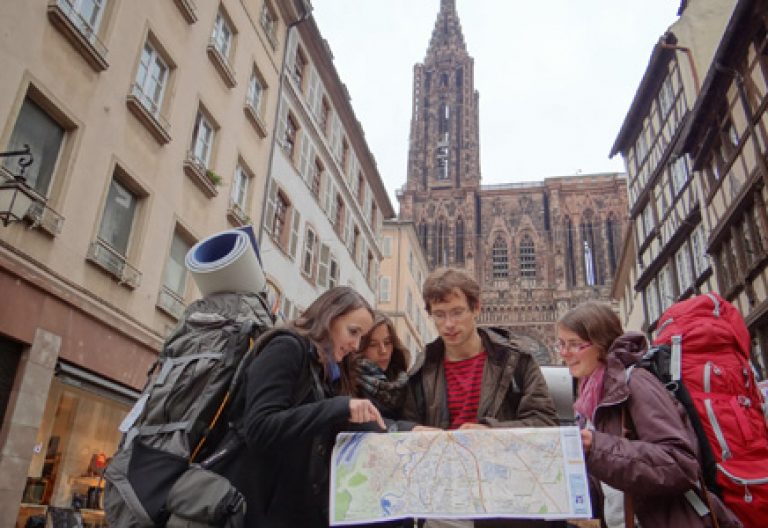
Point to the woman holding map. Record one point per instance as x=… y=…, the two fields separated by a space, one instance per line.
x=640 y=449
x=297 y=398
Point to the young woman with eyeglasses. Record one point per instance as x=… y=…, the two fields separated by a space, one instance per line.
x=639 y=446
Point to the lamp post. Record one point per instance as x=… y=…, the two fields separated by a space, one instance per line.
x=15 y=195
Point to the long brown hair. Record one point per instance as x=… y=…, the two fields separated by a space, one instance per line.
x=399 y=361
x=594 y=322
x=315 y=324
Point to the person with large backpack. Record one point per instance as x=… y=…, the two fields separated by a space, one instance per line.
x=641 y=451
x=297 y=397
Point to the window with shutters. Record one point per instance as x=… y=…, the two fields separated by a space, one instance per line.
x=281 y=219
x=309 y=253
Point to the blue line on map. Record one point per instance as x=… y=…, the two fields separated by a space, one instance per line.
x=352 y=442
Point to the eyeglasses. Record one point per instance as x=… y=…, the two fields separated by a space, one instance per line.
x=454 y=314
x=572 y=347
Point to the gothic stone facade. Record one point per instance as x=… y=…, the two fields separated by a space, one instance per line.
x=536 y=248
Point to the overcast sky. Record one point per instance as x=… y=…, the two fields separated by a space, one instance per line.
x=555 y=77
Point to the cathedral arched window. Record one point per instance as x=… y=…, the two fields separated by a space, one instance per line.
x=527 y=258
x=423 y=236
x=499 y=258
x=460 y=241
x=570 y=253
x=592 y=273
x=441 y=253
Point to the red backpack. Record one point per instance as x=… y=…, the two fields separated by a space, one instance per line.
x=709 y=350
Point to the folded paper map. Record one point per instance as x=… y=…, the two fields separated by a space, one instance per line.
x=512 y=473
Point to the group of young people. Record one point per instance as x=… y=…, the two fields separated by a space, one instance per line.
x=340 y=366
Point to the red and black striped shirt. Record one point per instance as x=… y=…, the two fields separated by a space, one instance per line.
x=463 y=380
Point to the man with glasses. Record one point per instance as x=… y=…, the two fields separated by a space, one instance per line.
x=473 y=377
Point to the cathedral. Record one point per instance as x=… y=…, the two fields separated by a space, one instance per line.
x=536 y=248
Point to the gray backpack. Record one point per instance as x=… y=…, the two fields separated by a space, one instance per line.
x=181 y=425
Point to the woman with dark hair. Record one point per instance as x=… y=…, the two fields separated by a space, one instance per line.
x=298 y=395
x=640 y=448
x=383 y=364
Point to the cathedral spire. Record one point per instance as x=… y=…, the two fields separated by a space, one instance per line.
x=447 y=33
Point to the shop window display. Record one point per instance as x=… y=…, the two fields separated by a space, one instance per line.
x=78 y=432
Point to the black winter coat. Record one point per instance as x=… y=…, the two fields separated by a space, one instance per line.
x=284 y=471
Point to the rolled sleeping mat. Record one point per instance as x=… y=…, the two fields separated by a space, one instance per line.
x=227 y=262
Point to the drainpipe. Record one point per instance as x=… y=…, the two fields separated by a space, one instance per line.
x=307 y=13
x=665 y=45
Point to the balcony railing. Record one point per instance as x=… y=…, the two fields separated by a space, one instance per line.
x=254 y=116
x=79 y=32
x=147 y=111
x=236 y=215
x=101 y=254
x=197 y=170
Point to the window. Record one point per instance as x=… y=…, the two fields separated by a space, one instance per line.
x=255 y=92
x=338 y=221
x=299 y=67
x=344 y=153
x=268 y=21
x=117 y=220
x=34 y=127
x=151 y=79
x=277 y=215
x=325 y=114
x=698 y=248
x=202 y=139
x=683 y=267
x=384 y=289
x=570 y=257
x=666 y=97
x=323 y=266
x=333 y=272
x=648 y=223
x=666 y=287
x=309 y=254
x=289 y=137
x=460 y=241
x=499 y=258
x=239 y=191
x=175 y=274
x=652 y=301
x=88 y=14
x=409 y=304
x=679 y=171
x=222 y=35
x=317 y=178
x=527 y=258
x=386 y=246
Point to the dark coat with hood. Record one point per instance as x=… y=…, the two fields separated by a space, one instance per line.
x=661 y=464
x=289 y=432
x=513 y=394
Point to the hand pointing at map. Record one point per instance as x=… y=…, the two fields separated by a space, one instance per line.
x=363 y=411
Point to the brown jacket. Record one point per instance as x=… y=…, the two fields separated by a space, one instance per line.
x=661 y=464
x=513 y=394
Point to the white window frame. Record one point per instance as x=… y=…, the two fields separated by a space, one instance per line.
x=151 y=78
x=240 y=183
x=202 y=139
x=174 y=265
x=222 y=34
x=92 y=25
x=256 y=91
x=384 y=288
x=126 y=199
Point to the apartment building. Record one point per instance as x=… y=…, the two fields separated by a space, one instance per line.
x=150 y=126
x=403 y=271
x=325 y=202
x=666 y=249
x=727 y=142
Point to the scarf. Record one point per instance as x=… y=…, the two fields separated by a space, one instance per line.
x=386 y=393
x=590 y=393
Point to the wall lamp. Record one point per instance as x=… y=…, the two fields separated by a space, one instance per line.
x=15 y=195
